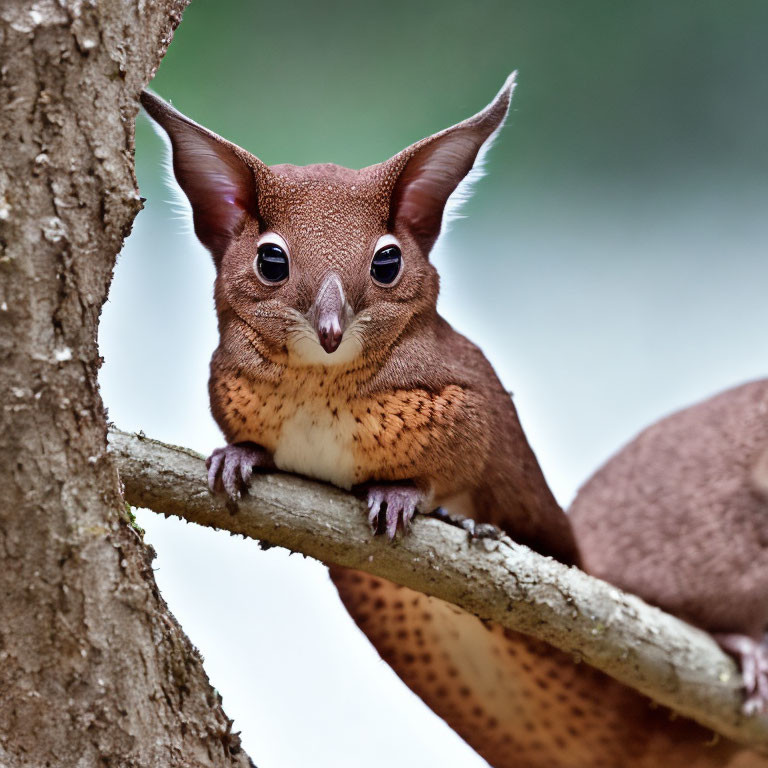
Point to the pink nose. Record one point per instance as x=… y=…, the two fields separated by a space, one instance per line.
x=329 y=332
x=328 y=313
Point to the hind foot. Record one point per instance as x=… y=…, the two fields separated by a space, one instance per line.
x=475 y=530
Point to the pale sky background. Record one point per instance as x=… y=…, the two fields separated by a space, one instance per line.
x=613 y=265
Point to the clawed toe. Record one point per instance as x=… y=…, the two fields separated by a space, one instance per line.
x=753 y=659
x=399 y=503
x=214 y=462
x=231 y=467
x=475 y=530
x=375 y=499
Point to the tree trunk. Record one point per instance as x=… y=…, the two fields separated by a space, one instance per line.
x=94 y=670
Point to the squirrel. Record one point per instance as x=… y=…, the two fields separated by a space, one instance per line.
x=334 y=363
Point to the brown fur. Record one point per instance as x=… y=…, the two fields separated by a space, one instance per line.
x=412 y=400
x=519 y=702
x=673 y=516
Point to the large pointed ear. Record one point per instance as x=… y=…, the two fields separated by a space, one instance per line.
x=218 y=177
x=432 y=169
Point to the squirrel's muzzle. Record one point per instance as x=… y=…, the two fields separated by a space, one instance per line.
x=329 y=313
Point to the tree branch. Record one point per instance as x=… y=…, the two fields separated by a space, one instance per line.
x=662 y=657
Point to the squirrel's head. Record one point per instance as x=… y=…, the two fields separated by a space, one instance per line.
x=324 y=265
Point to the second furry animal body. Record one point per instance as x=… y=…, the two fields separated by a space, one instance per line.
x=333 y=362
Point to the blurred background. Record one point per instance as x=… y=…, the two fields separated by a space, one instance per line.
x=613 y=265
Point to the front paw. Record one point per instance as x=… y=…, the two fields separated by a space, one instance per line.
x=753 y=660
x=231 y=467
x=399 y=502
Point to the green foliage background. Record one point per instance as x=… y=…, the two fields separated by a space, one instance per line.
x=609 y=92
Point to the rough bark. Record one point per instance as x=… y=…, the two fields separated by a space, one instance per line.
x=93 y=668
x=669 y=661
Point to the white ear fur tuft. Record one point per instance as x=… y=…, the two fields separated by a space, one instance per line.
x=218 y=177
x=442 y=168
x=180 y=205
x=463 y=192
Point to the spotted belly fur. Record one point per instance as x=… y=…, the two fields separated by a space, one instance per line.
x=518 y=701
x=319 y=425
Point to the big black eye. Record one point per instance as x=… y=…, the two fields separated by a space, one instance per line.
x=386 y=265
x=272 y=263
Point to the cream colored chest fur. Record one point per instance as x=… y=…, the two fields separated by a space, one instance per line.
x=317 y=441
x=306 y=420
x=321 y=426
